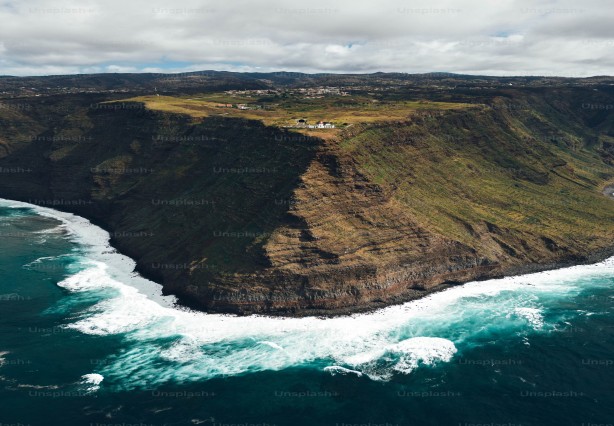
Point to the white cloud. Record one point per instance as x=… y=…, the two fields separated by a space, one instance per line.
x=503 y=37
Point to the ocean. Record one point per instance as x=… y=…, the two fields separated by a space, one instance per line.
x=86 y=341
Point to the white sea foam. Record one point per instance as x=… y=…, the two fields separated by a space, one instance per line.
x=532 y=315
x=28 y=386
x=60 y=229
x=336 y=369
x=95 y=241
x=92 y=381
x=166 y=343
x=402 y=357
x=185 y=350
x=272 y=345
x=422 y=350
x=40 y=260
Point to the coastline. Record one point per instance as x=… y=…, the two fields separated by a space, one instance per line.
x=372 y=307
x=327 y=236
x=99 y=238
x=96 y=240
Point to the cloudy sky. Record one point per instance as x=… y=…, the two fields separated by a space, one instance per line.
x=496 y=37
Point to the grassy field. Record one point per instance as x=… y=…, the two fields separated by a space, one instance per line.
x=342 y=111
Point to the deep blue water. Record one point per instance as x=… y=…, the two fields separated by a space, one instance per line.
x=82 y=346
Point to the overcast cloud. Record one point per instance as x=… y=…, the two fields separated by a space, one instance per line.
x=496 y=37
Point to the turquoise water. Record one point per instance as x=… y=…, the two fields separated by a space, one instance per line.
x=84 y=341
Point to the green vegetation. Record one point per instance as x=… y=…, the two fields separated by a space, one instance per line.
x=454 y=177
x=415 y=187
x=284 y=111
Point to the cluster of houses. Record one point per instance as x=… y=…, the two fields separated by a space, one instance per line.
x=240 y=106
x=319 y=125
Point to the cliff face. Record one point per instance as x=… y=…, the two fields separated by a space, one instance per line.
x=234 y=216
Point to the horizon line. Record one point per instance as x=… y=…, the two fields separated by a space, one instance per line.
x=282 y=72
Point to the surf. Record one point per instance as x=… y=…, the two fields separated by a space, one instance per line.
x=165 y=342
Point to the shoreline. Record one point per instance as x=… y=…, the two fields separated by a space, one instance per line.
x=369 y=308
x=94 y=237
x=155 y=290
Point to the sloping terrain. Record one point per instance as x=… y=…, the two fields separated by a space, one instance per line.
x=234 y=215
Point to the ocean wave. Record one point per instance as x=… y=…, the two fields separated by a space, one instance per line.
x=402 y=357
x=166 y=343
x=2 y=357
x=533 y=316
x=59 y=229
x=92 y=381
x=336 y=369
x=41 y=260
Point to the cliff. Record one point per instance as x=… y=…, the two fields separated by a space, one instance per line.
x=232 y=215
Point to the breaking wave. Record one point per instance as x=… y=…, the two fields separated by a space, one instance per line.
x=168 y=343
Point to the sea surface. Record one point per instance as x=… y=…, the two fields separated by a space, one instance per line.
x=85 y=341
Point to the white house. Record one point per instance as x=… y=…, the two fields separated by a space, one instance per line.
x=325 y=125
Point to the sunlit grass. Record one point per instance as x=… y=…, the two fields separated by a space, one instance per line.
x=341 y=111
